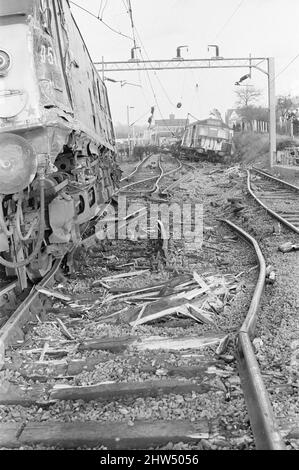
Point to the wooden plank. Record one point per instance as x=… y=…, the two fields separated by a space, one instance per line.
x=123 y=390
x=52 y=293
x=142 y=435
x=179 y=343
x=145 y=318
x=114 y=436
x=172 y=283
x=113 y=345
x=8 y=435
x=200 y=281
x=55 y=368
x=103 y=392
x=64 y=329
x=12 y=395
x=201 y=314
x=116 y=277
x=76 y=366
x=160 y=308
x=181 y=371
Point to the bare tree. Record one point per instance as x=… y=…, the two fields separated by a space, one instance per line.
x=247 y=96
x=283 y=105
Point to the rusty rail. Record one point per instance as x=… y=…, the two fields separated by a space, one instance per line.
x=263 y=423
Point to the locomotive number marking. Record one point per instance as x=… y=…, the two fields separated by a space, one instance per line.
x=47 y=55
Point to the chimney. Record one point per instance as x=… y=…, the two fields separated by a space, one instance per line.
x=171 y=117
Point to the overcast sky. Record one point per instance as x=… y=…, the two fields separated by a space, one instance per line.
x=263 y=28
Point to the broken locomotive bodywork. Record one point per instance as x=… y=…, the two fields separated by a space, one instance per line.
x=57 y=143
x=210 y=138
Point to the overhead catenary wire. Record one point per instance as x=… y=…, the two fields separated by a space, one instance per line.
x=100 y=8
x=145 y=114
x=135 y=32
x=100 y=19
x=103 y=10
x=129 y=11
x=158 y=78
x=287 y=66
x=229 y=19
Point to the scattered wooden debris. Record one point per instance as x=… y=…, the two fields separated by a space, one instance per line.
x=201 y=314
x=100 y=284
x=51 y=293
x=113 y=345
x=124 y=275
x=45 y=349
x=138 y=318
x=200 y=281
x=287 y=247
x=195 y=296
x=64 y=329
x=179 y=343
x=58 y=353
x=167 y=306
x=221 y=349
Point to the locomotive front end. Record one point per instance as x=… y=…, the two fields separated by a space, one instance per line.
x=21 y=217
x=57 y=152
x=19 y=105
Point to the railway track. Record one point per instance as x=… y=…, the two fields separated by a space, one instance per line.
x=16 y=319
x=137 y=369
x=148 y=174
x=279 y=198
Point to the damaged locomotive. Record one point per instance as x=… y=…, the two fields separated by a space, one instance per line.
x=209 y=138
x=57 y=144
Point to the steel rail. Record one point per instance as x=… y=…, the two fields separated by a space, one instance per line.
x=7 y=289
x=11 y=329
x=263 y=423
x=284 y=183
x=137 y=168
x=158 y=178
x=135 y=183
x=163 y=174
x=124 y=188
x=270 y=211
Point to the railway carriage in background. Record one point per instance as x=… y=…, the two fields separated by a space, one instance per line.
x=57 y=143
x=210 y=138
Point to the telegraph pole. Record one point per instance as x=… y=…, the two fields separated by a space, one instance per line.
x=129 y=129
x=272 y=110
x=128 y=122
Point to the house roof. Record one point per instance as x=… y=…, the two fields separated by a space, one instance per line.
x=211 y=122
x=171 y=122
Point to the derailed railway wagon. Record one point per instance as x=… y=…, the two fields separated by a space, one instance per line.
x=57 y=143
x=209 y=138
